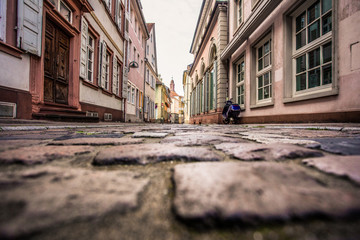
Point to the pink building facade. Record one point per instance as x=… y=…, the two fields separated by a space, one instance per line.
x=294 y=61
x=285 y=61
x=137 y=36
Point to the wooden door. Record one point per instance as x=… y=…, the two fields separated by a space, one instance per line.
x=56 y=65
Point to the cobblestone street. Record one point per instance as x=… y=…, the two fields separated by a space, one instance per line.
x=162 y=181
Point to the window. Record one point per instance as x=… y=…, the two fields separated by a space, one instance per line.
x=263 y=70
x=119 y=15
x=312 y=50
x=64 y=9
x=129 y=93
x=108 y=4
x=240 y=82
x=147 y=75
x=152 y=81
x=239 y=12
x=132 y=95
x=117 y=78
x=107 y=70
x=90 y=58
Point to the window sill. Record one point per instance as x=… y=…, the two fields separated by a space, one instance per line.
x=6 y=48
x=106 y=92
x=89 y=84
x=331 y=92
x=260 y=105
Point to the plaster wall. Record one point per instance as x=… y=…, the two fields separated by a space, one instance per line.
x=96 y=97
x=15 y=72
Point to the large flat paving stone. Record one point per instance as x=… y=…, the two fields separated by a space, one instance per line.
x=255 y=192
x=40 y=154
x=342 y=166
x=13 y=144
x=269 y=138
x=268 y=152
x=340 y=145
x=97 y=141
x=150 y=134
x=199 y=139
x=152 y=153
x=48 y=196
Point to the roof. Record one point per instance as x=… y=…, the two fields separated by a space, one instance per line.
x=150 y=26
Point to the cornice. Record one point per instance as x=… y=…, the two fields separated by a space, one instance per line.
x=261 y=12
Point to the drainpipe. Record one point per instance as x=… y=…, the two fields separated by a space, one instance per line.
x=145 y=62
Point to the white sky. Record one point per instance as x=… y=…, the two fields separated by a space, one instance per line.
x=175 y=23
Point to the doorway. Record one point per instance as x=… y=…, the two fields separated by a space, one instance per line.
x=56 y=65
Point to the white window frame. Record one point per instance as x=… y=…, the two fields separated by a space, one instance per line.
x=265 y=70
x=119 y=15
x=90 y=49
x=58 y=5
x=3 y=20
x=309 y=47
x=240 y=81
x=108 y=4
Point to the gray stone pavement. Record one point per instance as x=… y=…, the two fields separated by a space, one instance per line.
x=161 y=181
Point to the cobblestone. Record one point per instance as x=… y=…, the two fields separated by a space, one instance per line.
x=97 y=141
x=150 y=153
x=253 y=192
x=40 y=154
x=166 y=181
x=59 y=195
x=269 y=152
x=342 y=166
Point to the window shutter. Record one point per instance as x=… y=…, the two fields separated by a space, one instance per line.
x=117 y=12
x=124 y=83
x=100 y=63
x=115 y=76
x=103 y=64
x=3 y=20
x=30 y=14
x=83 y=50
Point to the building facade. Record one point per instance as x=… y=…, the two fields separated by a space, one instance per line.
x=71 y=56
x=294 y=61
x=162 y=103
x=187 y=89
x=151 y=75
x=102 y=60
x=209 y=80
x=138 y=34
x=177 y=105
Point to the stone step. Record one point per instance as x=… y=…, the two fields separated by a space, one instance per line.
x=64 y=117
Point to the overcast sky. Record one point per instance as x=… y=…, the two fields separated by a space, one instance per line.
x=175 y=22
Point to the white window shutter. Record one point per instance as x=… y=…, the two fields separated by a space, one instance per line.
x=30 y=14
x=103 y=64
x=83 y=50
x=116 y=11
x=124 y=83
x=3 y=20
x=115 y=76
x=100 y=62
